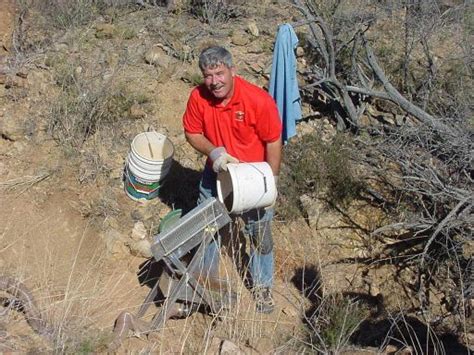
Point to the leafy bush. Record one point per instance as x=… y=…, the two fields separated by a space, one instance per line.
x=312 y=166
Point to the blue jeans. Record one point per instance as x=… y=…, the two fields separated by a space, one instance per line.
x=257 y=228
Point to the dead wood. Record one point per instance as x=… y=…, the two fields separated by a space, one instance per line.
x=433 y=155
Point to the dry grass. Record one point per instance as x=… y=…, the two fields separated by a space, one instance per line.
x=24 y=183
x=81 y=292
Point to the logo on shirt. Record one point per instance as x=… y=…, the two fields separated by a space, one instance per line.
x=239 y=116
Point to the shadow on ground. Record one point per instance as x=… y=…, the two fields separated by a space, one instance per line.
x=180 y=189
x=378 y=329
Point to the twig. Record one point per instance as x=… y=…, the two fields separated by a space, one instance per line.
x=26 y=181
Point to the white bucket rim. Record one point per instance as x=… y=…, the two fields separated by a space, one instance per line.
x=160 y=137
x=269 y=187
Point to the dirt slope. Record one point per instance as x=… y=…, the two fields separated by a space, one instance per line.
x=66 y=223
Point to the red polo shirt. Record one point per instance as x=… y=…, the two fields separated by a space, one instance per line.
x=243 y=126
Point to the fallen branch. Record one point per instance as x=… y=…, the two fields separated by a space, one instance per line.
x=25 y=181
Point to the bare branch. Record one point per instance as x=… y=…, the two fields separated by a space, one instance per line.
x=392 y=92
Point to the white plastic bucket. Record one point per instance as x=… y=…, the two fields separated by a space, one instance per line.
x=148 y=163
x=246 y=186
x=150 y=156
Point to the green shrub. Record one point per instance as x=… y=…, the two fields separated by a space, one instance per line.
x=333 y=322
x=323 y=169
x=85 y=106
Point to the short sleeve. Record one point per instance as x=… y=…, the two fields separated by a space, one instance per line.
x=192 y=118
x=269 y=126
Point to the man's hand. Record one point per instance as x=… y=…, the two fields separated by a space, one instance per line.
x=220 y=158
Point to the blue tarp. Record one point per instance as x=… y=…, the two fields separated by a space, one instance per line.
x=283 y=81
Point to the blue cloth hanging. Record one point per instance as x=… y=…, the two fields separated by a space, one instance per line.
x=283 y=81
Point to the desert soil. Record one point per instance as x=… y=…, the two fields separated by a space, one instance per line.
x=64 y=231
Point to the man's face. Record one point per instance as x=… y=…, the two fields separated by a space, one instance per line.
x=219 y=81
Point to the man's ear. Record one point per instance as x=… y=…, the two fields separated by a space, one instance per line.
x=232 y=71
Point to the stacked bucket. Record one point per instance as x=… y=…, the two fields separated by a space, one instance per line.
x=148 y=163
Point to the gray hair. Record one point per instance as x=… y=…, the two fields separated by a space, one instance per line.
x=212 y=57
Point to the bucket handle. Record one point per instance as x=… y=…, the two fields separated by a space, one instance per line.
x=265 y=186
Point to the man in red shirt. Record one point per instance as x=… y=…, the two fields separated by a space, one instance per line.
x=231 y=120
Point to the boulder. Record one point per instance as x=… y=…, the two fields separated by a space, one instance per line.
x=156 y=56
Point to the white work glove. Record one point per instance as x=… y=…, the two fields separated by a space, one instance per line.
x=220 y=158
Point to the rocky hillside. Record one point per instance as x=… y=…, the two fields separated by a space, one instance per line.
x=78 y=81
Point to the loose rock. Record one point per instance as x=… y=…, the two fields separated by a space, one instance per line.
x=157 y=57
x=137 y=112
x=253 y=29
x=104 y=30
x=240 y=39
x=139 y=231
x=141 y=248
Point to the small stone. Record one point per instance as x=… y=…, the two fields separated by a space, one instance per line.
x=139 y=231
x=137 y=112
x=305 y=128
x=11 y=129
x=77 y=72
x=137 y=214
x=157 y=57
x=390 y=349
x=19 y=146
x=239 y=39
x=114 y=242
x=61 y=47
x=407 y=351
x=253 y=29
x=400 y=119
x=140 y=248
x=16 y=81
x=299 y=51
x=228 y=347
x=104 y=30
x=22 y=74
x=374 y=290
